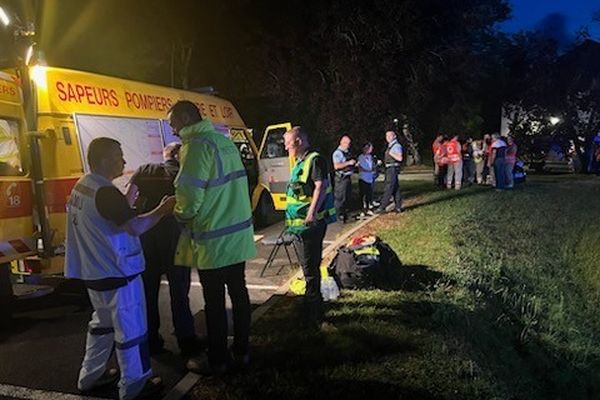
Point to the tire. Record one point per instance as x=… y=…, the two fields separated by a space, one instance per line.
x=265 y=213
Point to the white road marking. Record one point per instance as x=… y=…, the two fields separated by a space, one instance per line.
x=20 y=392
x=252 y=287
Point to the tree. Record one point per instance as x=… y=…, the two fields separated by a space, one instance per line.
x=352 y=67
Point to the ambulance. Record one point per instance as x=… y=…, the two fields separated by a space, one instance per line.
x=70 y=108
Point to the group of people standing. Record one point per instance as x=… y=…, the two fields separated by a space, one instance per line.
x=488 y=161
x=345 y=166
x=192 y=211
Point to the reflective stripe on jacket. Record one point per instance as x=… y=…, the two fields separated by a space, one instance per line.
x=212 y=201
x=299 y=197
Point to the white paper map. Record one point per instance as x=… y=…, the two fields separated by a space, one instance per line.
x=140 y=140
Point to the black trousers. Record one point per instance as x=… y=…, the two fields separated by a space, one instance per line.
x=310 y=250
x=213 y=286
x=392 y=189
x=365 y=189
x=342 y=192
x=468 y=171
x=159 y=245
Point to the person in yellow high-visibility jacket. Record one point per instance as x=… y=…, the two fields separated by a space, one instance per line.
x=310 y=207
x=218 y=236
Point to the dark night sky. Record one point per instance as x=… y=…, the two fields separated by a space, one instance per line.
x=570 y=14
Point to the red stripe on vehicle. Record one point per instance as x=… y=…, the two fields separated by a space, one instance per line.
x=58 y=192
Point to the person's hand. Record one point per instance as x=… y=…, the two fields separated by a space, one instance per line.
x=310 y=219
x=132 y=194
x=167 y=204
x=352 y=162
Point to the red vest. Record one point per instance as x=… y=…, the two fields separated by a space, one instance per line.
x=453 y=149
x=441 y=155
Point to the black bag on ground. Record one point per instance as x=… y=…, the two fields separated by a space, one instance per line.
x=366 y=264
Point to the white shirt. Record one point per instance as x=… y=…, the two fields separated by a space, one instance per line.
x=365 y=161
x=498 y=143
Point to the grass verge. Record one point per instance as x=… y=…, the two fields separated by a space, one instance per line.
x=499 y=300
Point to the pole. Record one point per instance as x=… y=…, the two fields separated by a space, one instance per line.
x=30 y=106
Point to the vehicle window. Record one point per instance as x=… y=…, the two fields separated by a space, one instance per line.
x=239 y=138
x=274 y=147
x=10 y=159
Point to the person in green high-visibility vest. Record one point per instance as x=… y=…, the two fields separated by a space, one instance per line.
x=310 y=207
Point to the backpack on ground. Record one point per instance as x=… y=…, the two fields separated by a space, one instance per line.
x=365 y=262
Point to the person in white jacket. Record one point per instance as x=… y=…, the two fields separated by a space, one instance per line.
x=103 y=250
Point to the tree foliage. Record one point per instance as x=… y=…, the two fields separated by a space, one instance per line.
x=351 y=67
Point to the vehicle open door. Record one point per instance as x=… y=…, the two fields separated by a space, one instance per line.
x=274 y=167
x=16 y=224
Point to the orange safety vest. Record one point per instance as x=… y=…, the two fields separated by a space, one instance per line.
x=453 y=149
x=441 y=155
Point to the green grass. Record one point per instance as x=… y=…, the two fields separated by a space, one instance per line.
x=499 y=300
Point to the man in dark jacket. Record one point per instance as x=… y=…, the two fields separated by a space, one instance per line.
x=149 y=184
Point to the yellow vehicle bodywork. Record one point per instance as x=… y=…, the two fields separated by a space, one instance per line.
x=61 y=97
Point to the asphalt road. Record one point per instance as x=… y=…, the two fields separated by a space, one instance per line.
x=42 y=348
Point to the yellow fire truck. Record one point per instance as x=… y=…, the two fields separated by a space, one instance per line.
x=70 y=108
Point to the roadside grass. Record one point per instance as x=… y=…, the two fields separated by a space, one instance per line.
x=498 y=298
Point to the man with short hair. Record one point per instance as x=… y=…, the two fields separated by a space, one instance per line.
x=104 y=251
x=309 y=208
x=393 y=159
x=218 y=235
x=343 y=165
x=149 y=184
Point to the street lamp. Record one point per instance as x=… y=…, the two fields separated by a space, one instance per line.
x=554 y=120
x=396 y=122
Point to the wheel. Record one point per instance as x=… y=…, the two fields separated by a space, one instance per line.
x=265 y=213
